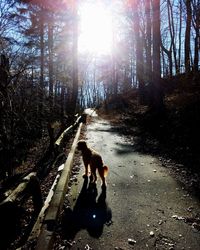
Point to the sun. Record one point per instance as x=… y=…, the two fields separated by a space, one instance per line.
x=96 y=31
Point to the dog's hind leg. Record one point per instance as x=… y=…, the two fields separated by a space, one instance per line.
x=93 y=177
x=102 y=175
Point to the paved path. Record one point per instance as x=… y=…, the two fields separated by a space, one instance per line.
x=142 y=201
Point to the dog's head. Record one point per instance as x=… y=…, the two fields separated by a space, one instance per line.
x=82 y=145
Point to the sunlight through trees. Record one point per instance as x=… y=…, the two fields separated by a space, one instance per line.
x=58 y=57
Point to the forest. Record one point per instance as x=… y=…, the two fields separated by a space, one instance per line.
x=149 y=73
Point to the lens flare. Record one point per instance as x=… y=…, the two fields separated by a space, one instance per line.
x=95 y=29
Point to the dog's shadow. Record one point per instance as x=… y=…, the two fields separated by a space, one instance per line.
x=90 y=213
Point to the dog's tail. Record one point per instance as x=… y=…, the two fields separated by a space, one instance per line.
x=105 y=171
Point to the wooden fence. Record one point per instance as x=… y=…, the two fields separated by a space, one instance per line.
x=42 y=232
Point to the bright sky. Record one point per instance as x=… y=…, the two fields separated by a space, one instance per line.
x=95 y=29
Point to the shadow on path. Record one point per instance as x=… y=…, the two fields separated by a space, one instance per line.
x=90 y=213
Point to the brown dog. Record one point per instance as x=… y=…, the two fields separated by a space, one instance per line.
x=94 y=160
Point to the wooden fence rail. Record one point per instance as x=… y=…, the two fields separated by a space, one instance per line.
x=45 y=239
x=43 y=230
x=8 y=207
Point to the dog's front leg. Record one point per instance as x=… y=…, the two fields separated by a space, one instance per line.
x=86 y=164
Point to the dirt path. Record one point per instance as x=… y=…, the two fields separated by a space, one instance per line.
x=144 y=206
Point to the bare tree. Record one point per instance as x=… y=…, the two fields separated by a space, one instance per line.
x=180 y=34
x=75 y=58
x=157 y=91
x=196 y=25
x=138 y=48
x=172 y=32
x=188 y=34
x=148 y=40
x=50 y=51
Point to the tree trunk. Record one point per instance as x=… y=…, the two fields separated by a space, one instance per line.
x=156 y=39
x=114 y=66
x=172 y=32
x=180 y=35
x=148 y=41
x=187 y=35
x=62 y=100
x=50 y=50
x=196 y=51
x=139 y=51
x=75 y=59
x=41 y=63
x=156 y=84
x=169 y=55
x=196 y=40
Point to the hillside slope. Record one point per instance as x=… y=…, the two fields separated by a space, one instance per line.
x=173 y=135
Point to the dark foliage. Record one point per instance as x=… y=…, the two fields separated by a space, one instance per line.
x=174 y=132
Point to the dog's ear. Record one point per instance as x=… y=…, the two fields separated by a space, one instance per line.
x=81 y=145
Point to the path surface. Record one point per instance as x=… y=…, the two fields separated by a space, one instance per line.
x=143 y=202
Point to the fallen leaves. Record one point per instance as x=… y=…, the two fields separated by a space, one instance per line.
x=194 y=222
x=131 y=241
x=164 y=242
x=87 y=247
x=178 y=217
x=152 y=233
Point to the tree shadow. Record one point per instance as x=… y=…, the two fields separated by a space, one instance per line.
x=90 y=213
x=124 y=148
